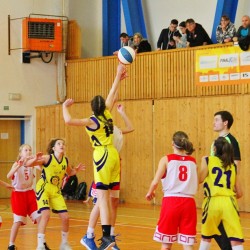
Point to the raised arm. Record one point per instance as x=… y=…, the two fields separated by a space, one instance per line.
x=74 y=171
x=37 y=160
x=128 y=124
x=162 y=166
x=120 y=75
x=16 y=165
x=73 y=121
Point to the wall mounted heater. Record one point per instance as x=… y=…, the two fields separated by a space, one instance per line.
x=42 y=34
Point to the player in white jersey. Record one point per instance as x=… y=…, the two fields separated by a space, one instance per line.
x=23 y=198
x=178 y=172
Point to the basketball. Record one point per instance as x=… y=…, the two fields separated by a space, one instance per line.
x=126 y=55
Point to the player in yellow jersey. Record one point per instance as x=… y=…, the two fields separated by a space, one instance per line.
x=48 y=189
x=223 y=121
x=221 y=189
x=99 y=127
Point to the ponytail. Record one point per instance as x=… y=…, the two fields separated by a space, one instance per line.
x=224 y=150
x=181 y=141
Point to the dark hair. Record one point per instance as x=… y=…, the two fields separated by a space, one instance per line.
x=226 y=116
x=124 y=35
x=182 y=24
x=98 y=107
x=182 y=142
x=190 y=20
x=52 y=143
x=224 y=150
x=225 y=17
x=174 y=21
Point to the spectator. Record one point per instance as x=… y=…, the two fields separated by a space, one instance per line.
x=225 y=31
x=125 y=41
x=166 y=40
x=140 y=44
x=244 y=29
x=196 y=35
x=181 y=42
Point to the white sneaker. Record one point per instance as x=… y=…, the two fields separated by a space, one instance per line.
x=41 y=248
x=65 y=246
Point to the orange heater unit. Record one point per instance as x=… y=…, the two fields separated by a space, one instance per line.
x=42 y=34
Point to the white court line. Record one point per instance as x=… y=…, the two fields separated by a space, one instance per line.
x=118 y=224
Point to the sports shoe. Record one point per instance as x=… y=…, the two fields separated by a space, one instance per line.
x=41 y=248
x=106 y=242
x=12 y=247
x=46 y=246
x=115 y=247
x=89 y=243
x=65 y=246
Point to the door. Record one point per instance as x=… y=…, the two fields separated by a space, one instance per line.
x=10 y=139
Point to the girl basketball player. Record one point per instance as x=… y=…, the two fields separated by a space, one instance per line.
x=88 y=238
x=221 y=188
x=106 y=160
x=178 y=173
x=48 y=189
x=23 y=197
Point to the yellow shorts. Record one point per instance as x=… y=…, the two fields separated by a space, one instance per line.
x=106 y=163
x=221 y=209
x=49 y=197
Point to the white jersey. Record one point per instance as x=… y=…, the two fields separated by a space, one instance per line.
x=117 y=139
x=181 y=177
x=23 y=179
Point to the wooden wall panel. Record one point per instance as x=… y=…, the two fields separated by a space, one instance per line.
x=154 y=75
x=154 y=127
x=137 y=152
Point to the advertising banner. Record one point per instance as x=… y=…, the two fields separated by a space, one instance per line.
x=222 y=66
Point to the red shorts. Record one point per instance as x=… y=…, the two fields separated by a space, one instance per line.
x=177 y=221
x=24 y=204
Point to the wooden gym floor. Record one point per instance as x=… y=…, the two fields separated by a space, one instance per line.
x=135 y=224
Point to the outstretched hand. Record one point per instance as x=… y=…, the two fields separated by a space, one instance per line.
x=68 y=102
x=120 y=108
x=80 y=167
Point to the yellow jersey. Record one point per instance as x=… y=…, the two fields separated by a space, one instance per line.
x=219 y=181
x=54 y=171
x=102 y=135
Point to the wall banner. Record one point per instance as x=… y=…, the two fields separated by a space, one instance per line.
x=222 y=66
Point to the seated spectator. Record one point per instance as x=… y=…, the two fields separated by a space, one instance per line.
x=244 y=29
x=225 y=31
x=166 y=40
x=196 y=34
x=181 y=42
x=140 y=44
x=125 y=41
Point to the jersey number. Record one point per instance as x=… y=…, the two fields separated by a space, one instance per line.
x=45 y=202
x=183 y=173
x=219 y=173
